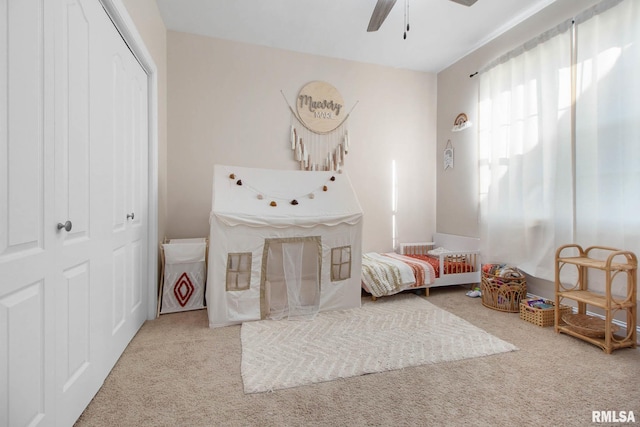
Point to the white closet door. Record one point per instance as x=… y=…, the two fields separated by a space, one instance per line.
x=73 y=164
x=105 y=261
x=27 y=224
x=125 y=91
x=118 y=189
x=78 y=195
x=102 y=179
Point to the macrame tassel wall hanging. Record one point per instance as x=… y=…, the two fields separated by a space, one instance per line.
x=319 y=151
x=319 y=137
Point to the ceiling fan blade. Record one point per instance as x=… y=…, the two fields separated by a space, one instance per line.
x=465 y=2
x=380 y=12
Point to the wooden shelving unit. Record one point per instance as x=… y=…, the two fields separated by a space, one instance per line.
x=613 y=263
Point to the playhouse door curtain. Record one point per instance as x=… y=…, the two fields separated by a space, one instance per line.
x=291 y=278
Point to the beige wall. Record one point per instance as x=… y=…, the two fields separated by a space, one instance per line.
x=220 y=102
x=149 y=23
x=225 y=106
x=457 y=202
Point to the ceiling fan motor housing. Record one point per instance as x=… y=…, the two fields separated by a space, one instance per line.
x=383 y=7
x=465 y=2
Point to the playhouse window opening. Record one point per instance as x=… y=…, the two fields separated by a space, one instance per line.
x=238 y=271
x=340 y=263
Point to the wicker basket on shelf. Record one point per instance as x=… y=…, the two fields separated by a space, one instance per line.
x=587 y=325
x=541 y=316
x=503 y=292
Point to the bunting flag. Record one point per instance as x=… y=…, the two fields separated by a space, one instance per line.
x=293 y=199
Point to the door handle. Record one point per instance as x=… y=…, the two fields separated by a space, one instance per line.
x=67 y=226
x=130 y=216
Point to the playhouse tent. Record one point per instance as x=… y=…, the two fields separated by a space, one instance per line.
x=282 y=244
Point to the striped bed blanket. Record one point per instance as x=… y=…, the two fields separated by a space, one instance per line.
x=390 y=273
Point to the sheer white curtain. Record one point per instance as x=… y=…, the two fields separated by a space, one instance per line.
x=525 y=154
x=607 y=128
x=301 y=276
x=292 y=286
x=559 y=150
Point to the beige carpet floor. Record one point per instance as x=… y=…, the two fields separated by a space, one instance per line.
x=178 y=372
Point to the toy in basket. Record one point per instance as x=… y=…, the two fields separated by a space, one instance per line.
x=502 y=287
x=540 y=311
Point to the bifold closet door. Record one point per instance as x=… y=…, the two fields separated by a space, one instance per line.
x=83 y=182
x=73 y=165
x=117 y=189
x=127 y=139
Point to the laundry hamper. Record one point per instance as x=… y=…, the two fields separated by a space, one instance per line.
x=502 y=287
x=184 y=274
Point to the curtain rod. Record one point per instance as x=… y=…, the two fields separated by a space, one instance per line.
x=560 y=28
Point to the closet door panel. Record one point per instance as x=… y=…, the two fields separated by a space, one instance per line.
x=73 y=126
x=24 y=71
x=22 y=178
x=73 y=147
x=129 y=143
x=137 y=174
x=111 y=130
x=121 y=145
x=136 y=258
x=24 y=384
x=76 y=340
x=121 y=141
x=76 y=374
x=27 y=227
x=137 y=185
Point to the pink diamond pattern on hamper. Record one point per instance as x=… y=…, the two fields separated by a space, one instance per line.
x=183 y=289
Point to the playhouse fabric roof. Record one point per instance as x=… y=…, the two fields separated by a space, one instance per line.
x=245 y=196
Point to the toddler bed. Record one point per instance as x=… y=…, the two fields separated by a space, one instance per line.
x=448 y=260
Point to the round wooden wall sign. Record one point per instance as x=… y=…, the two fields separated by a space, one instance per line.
x=320 y=107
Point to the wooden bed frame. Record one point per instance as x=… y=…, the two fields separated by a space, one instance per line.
x=460 y=246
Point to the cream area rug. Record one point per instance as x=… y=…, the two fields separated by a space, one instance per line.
x=390 y=333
